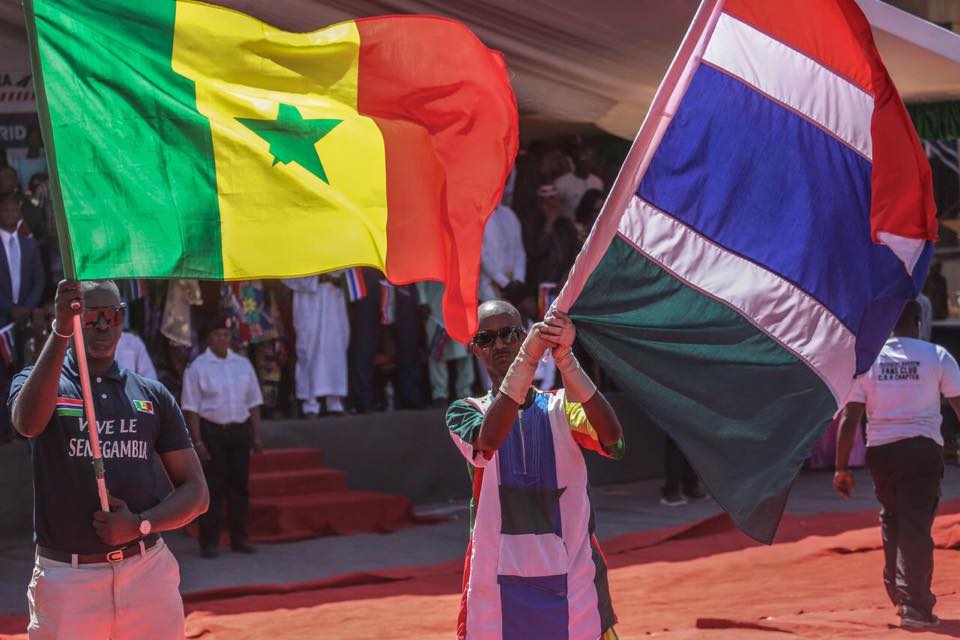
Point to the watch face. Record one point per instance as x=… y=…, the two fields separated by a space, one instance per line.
x=144 y=527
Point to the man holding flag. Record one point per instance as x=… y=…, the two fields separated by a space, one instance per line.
x=534 y=568
x=103 y=574
x=260 y=152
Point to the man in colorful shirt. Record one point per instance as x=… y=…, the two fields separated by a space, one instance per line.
x=534 y=568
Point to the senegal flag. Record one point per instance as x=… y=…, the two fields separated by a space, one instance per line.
x=189 y=140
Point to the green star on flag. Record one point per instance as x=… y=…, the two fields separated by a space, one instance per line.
x=293 y=138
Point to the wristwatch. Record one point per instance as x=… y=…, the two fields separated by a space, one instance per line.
x=144 y=526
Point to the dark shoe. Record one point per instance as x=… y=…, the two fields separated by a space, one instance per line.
x=911 y=618
x=672 y=498
x=243 y=547
x=695 y=493
x=210 y=552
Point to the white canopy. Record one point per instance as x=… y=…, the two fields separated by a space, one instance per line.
x=587 y=61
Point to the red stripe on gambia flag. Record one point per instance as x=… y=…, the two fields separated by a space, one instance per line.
x=836 y=34
x=418 y=78
x=69 y=402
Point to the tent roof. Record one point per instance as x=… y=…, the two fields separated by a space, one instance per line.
x=596 y=62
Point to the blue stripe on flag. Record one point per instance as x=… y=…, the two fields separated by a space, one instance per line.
x=763 y=182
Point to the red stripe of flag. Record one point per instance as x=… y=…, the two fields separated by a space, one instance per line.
x=443 y=103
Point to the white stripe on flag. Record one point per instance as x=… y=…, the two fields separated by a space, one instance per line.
x=804 y=85
x=777 y=307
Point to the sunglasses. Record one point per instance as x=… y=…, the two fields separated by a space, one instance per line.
x=507 y=335
x=112 y=315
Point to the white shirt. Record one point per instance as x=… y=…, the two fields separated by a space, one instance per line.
x=132 y=354
x=13 y=261
x=221 y=390
x=502 y=258
x=570 y=190
x=902 y=391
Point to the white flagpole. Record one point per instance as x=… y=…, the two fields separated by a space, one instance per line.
x=654 y=126
x=87 y=393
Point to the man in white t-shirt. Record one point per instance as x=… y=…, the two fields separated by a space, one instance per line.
x=571 y=186
x=901 y=396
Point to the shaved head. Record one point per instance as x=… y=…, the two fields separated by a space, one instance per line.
x=100 y=293
x=494 y=308
x=496 y=316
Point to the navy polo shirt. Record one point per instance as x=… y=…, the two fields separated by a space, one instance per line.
x=136 y=417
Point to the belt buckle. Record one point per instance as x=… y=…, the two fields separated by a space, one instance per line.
x=115 y=556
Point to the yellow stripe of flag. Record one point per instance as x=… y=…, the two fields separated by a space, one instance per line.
x=301 y=175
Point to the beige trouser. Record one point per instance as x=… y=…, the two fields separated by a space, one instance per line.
x=135 y=598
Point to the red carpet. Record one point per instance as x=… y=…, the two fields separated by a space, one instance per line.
x=820 y=580
x=294 y=497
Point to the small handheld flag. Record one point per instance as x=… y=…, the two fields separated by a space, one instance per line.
x=438 y=343
x=388 y=295
x=7 y=348
x=546 y=294
x=354 y=284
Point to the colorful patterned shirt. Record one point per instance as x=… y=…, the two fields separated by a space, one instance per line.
x=534 y=568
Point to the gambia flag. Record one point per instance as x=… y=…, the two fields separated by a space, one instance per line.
x=190 y=140
x=773 y=217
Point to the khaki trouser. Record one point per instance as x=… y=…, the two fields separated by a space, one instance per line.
x=136 y=598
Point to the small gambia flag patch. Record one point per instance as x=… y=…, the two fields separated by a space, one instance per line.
x=69 y=407
x=143 y=406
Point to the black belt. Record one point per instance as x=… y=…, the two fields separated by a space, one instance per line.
x=132 y=549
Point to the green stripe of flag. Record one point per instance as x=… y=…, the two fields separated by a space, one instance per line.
x=78 y=413
x=677 y=352
x=109 y=97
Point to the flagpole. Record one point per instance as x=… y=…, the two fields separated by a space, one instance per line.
x=654 y=126
x=87 y=393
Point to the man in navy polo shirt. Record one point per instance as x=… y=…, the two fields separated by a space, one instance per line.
x=103 y=574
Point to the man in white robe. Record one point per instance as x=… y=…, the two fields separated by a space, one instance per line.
x=323 y=335
x=502 y=258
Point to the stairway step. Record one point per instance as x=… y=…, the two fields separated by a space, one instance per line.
x=286 y=460
x=297 y=482
x=281 y=518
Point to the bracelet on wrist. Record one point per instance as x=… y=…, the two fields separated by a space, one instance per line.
x=53 y=327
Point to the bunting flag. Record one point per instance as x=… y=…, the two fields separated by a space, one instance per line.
x=546 y=294
x=231 y=149
x=7 y=345
x=772 y=219
x=354 y=284
x=438 y=343
x=388 y=303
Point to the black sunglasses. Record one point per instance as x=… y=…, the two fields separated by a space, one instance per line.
x=507 y=335
x=113 y=316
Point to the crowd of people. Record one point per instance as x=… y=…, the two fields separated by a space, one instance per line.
x=320 y=345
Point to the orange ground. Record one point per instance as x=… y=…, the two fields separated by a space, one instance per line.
x=821 y=580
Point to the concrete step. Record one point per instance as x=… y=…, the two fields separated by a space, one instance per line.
x=297 y=482
x=286 y=460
